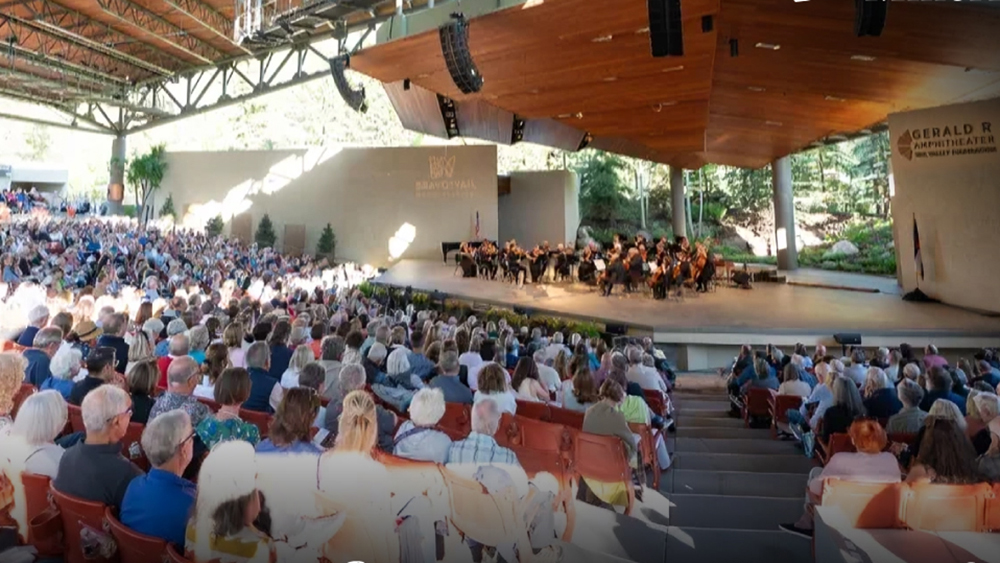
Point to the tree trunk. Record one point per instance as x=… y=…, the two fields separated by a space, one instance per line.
x=822 y=171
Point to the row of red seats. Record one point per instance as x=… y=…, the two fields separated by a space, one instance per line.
x=916 y=506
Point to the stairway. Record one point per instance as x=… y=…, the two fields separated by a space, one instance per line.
x=722 y=500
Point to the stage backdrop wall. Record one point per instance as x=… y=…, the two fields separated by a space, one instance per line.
x=541 y=206
x=946 y=168
x=407 y=198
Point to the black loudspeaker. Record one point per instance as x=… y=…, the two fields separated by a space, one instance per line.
x=848 y=339
x=869 y=17
x=523 y=311
x=616 y=329
x=354 y=98
x=706 y=24
x=665 y=32
x=455 y=47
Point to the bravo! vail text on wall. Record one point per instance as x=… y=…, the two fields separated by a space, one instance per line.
x=441 y=184
x=947 y=140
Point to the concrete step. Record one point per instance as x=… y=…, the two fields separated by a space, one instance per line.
x=700 y=545
x=710 y=413
x=709 y=422
x=683 y=443
x=701 y=404
x=734 y=483
x=733 y=432
x=753 y=463
x=599 y=530
x=738 y=513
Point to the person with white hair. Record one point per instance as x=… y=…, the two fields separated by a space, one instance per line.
x=374 y=363
x=933 y=359
x=199 y=340
x=910 y=418
x=416 y=438
x=159 y=503
x=38 y=317
x=547 y=375
x=182 y=378
x=94 y=468
x=47 y=342
x=179 y=346
x=301 y=357
x=857 y=370
x=879 y=395
x=397 y=367
x=174 y=328
x=647 y=377
x=555 y=346
x=911 y=371
x=65 y=365
x=39 y=421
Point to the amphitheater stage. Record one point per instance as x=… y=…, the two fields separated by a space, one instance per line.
x=706 y=328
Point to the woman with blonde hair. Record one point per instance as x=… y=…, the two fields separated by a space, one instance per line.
x=216 y=361
x=12 y=367
x=232 y=337
x=879 y=395
x=141 y=350
x=301 y=357
x=561 y=365
x=493 y=385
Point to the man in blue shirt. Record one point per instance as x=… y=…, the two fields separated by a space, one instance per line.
x=39 y=356
x=447 y=381
x=114 y=337
x=940 y=383
x=159 y=504
x=38 y=317
x=419 y=364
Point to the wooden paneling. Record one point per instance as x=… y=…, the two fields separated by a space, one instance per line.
x=588 y=65
x=418 y=109
x=552 y=133
x=484 y=121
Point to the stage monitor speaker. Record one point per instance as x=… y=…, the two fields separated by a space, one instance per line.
x=354 y=98
x=665 y=32
x=617 y=329
x=523 y=311
x=455 y=48
x=869 y=17
x=848 y=338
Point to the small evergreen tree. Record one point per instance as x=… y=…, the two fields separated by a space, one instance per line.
x=214 y=226
x=265 y=236
x=327 y=244
x=168 y=207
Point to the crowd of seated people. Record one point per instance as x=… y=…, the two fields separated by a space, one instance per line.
x=908 y=418
x=223 y=379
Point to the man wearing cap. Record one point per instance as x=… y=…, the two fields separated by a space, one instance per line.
x=38 y=317
x=100 y=370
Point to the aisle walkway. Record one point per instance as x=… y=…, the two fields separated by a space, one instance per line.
x=722 y=500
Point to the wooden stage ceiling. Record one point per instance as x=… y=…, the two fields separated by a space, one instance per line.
x=573 y=67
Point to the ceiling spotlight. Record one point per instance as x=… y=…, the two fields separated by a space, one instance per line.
x=642 y=30
x=601 y=39
x=579 y=115
x=862 y=58
x=756 y=89
x=673 y=68
x=770 y=46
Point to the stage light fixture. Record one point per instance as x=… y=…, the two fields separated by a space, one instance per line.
x=585 y=141
x=666 y=35
x=355 y=99
x=517 y=131
x=869 y=17
x=734 y=47
x=707 y=24
x=449 y=115
x=455 y=48
x=406 y=84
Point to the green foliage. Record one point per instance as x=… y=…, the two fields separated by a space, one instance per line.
x=214 y=226
x=265 y=237
x=145 y=173
x=876 y=254
x=327 y=244
x=128 y=210
x=746 y=189
x=602 y=192
x=711 y=212
x=168 y=207
x=367 y=289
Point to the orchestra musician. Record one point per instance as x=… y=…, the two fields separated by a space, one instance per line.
x=614 y=273
x=635 y=271
x=467 y=260
x=587 y=272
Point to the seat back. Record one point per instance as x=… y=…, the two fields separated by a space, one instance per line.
x=604 y=459
x=902 y=438
x=566 y=417
x=214 y=406
x=22 y=395
x=261 y=420
x=75 y=513
x=36 y=496
x=485 y=518
x=992 y=523
x=946 y=508
x=76 y=418
x=174 y=556
x=531 y=409
x=782 y=404
x=757 y=403
x=655 y=401
x=134 y=547
x=132 y=445
x=457 y=420
x=866 y=505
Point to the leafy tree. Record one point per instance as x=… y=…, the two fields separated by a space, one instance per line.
x=145 y=174
x=215 y=225
x=327 y=244
x=38 y=142
x=168 y=207
x=602 y=192
x=265 y=236
x=747 y=189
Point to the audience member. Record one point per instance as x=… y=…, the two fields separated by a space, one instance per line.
x=582 y=394
x=38 y=317
x=231 y=390
x=179 y=346
x=182 y=378
x=447 y=380
x=141 y=384
x=792 y=385
x=945 y=454
x=909 y=419
x=39 y=421
x=45 y=345
x=290 y=428
x=114 y=327
x=526 y=382
x=417 y=438
x=879 y=396
x=940 y=387
x=65 y=366
x=265 y=390
x=494 y=384
x=100 y=370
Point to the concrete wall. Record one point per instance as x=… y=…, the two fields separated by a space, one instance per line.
x=946 y=168
x=540 y=206
x=369 y=195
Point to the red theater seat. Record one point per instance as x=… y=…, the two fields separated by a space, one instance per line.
x=174 y=556
x=261 y=420
x=22 y=395
x=457 y=420
x=134 y=547
x=76 y=418
x=946 y=508
x=566 y=417
x=756 y=405
x=866 y=505
x=779 y=407
x=603 y=458
x=77 y=513
x=531 y=409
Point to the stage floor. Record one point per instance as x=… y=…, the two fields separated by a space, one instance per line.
x=771 y=312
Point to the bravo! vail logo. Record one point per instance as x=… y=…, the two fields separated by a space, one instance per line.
x=950 y=140
x=442 y=166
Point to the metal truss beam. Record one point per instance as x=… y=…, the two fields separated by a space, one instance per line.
x=97 y=35
x=23 y=77
x=73 y=125
x=132 y=14
x=60 y=106
x=59 y=51
x=210 y=19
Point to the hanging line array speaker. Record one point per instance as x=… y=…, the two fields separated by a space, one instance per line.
x=455 y=48
x=869 y=17
x=354 y=98
x=665 y=33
